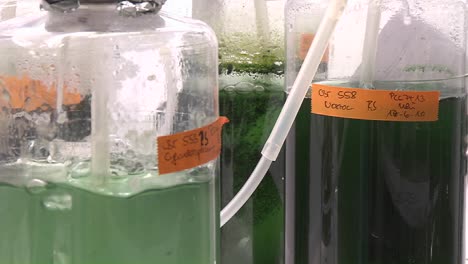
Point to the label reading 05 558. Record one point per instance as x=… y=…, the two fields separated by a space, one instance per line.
x=383 y=105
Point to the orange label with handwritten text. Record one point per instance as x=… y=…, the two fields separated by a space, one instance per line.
x=304 y=45
x=30 y=95
x=190 y=149
x=384 y=105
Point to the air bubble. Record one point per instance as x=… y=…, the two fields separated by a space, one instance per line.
x=61 y=258
x=229 y=88
x=58 y=202
x=245 y=87
x=259 y=88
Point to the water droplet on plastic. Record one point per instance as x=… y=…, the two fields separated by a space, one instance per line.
x=6 y=95
x=118 y=170
x=278 y=63
x=407 y=20
x=130 y=154
x=36 y=186
x=27 y=101
x=137 y=168
x=244 y=243
x=58 y=202
x=62 y=118
x=118 y=174
x=80 y=170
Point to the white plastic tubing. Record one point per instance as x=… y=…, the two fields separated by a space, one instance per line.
x=291 y=108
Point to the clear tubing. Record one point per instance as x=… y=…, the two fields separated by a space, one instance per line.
x=100 y=161
x=100 y=145
x=261 y=13
x=291 y=108
x=369 y=51
x=247 y=190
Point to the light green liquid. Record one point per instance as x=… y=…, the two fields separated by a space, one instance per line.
x=60 y=223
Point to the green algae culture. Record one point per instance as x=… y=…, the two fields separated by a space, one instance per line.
x=49 y=217
x=380 y=192
x=251 y=96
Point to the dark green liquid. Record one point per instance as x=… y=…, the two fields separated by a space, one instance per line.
x=377 y=192
x=256 y=233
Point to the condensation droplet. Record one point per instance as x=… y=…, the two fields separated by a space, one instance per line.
x=27 y=101
x=6 y=95
x=407 y=20
x=80 y=170
x=62 y=118
x=244 y=243
x=36 y=186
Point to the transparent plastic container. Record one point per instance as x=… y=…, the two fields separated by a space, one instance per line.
x=7 y=10
x=13 y=8
x=251 y=95
x=381 y=192
x=85 y=95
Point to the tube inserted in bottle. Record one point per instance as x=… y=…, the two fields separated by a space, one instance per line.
x=369 y=51
x=100 y=155
x=288 y=114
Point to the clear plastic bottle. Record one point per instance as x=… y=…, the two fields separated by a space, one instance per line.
x=302 y=19
x=13 y=8
x=86 y=91
x=251 y=96
x=382 y=192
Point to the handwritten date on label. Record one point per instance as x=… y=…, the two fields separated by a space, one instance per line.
x=384 y=105
x=190 y=149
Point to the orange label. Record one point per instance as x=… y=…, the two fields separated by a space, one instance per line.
x=25 y=93
x=384 y=105
x=190 y=149
x=304 y=45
